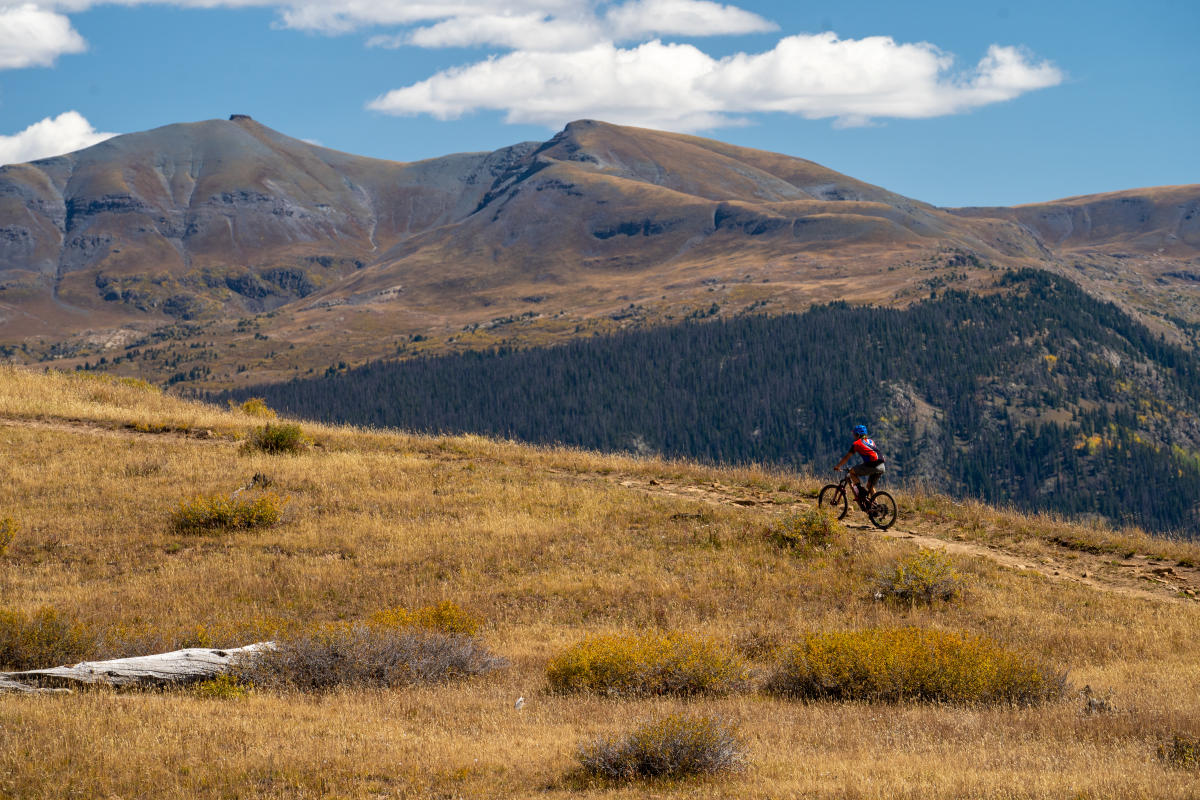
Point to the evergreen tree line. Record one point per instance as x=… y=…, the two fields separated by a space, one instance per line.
x=1036 y=394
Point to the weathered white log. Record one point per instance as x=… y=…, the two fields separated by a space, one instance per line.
x=7 y=685
x=177 y=667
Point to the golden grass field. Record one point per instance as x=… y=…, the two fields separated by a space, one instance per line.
x=546 y=546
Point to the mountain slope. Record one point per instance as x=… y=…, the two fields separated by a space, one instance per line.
x=214 y=215
x=598 y=228
x=1162 y=220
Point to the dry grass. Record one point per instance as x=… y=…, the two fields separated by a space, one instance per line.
x=546 y=548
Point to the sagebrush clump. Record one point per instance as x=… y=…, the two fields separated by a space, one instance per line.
x=647 y=664
x=895 y=664
x=365 y=656
x=923 y=577
x=285 y=439
x=8 y=531
x=673 y=746
x=219 y=513
x=45 y=638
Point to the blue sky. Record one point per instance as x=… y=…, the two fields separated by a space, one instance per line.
x=987 y=103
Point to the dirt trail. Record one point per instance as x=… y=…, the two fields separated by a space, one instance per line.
x=1136 y=576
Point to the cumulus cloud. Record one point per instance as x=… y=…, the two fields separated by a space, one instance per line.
x=34 y=37
x=519 y=24
x=531 y=31
x=52 y=136
x=681 y=17
x=555 y=60
x=678 y=86
x=468 y=22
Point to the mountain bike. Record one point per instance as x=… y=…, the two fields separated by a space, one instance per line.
x=880 y=509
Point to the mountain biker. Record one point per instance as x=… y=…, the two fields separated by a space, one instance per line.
x=872 y=462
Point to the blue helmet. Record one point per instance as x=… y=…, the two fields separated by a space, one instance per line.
x=860 y=430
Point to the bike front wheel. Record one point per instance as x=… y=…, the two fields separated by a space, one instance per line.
x=882 y=510
x=833 y=499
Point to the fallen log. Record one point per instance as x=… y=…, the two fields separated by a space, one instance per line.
x=163 y=669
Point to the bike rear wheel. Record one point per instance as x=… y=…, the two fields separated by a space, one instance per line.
x=882 y=510
x=833 y=498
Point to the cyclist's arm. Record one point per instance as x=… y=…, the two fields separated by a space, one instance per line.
x=845 y=458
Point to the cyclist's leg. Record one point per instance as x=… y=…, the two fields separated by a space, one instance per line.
x=874 y=478
x=852 y=473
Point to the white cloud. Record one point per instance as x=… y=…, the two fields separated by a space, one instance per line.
x=677 y=86
x=562 y=59
x=65 y=133
x=518 y=24
x=532 y=31
x=653 y=84
x=642 y=18
x=34 y=37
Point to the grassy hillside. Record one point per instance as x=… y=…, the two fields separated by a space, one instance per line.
x=1032 y=393
x=548 y=547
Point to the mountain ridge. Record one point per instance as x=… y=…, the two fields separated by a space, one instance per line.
x=206 y=223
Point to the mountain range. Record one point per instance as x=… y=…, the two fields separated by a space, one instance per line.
x=209 y=227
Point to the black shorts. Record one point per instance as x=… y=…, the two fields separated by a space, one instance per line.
x=863 y=470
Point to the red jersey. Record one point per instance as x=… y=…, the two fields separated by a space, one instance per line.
x=866 y=448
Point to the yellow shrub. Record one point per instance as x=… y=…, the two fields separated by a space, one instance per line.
x=218 y=513
x=220 y=687
x=256 y=407
x=8 y=529
x=814 y=528
x=647 y=664
x=445 y=617
x=43 y=639
x=893 y=664
x=277 y=439
x=1181 y=750
x=924 y=576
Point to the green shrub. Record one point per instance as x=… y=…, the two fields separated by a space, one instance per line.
x=647 y=664
x=674 y=746
x=445 y=617
x=276 y=439
x=365 y=656
x=217 y=513
x=255 y=407
x=1181 y=750
x=814 y=528
x=923 y=577
x=40 y=640
x=8 y=530
x=894 y=664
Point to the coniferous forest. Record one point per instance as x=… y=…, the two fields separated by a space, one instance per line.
x=1034 y=394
